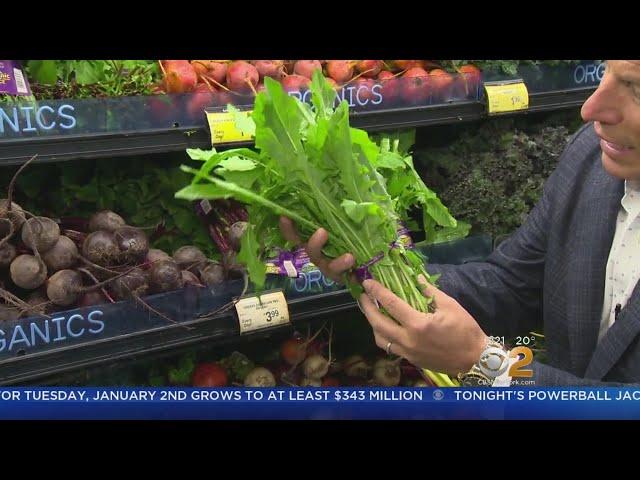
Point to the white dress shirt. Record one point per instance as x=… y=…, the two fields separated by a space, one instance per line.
x=623 y=267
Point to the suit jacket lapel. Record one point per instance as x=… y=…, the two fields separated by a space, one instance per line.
x=588 y=268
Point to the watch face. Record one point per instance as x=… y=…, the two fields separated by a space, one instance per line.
x=493 y=362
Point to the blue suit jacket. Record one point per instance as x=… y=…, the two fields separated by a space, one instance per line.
x=550 y=274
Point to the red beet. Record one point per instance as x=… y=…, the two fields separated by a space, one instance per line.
x=468 y=80
x=203 y=96
x=240 y=74
x=363 y=91
x=415 y=86
x=369 y=68
x=269 y=68
x=340 y=70
x=305 y=68
x=390 y=87
x=408 y=64
x=441 y=83
x=180 y=77
x=295 y=83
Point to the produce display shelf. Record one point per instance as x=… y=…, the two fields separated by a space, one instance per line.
x=37 y=348
x=178 y=136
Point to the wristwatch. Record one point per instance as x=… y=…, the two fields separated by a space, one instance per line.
x=493 y=361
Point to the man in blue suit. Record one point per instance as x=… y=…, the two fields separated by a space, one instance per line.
x=571 y=268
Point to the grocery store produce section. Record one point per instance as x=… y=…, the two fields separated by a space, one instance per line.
x=101 y=263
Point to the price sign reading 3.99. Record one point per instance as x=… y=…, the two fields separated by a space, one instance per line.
x=267 y=310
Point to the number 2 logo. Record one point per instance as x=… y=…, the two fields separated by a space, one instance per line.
x=516 y=369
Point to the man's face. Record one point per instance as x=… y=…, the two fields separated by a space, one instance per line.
x=615 y=110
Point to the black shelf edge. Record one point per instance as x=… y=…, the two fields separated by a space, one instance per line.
x=15 y=152
x=220 y=329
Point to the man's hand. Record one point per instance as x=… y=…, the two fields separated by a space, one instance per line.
x=333 y=269
x=448 y=341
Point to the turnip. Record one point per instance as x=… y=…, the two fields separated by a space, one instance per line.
x=101 y=248
x=260 y=377
x=387 y=372
x=189 y=257
x=242 y=77
x=40 y=233
x=305 y=68
x=293 y=351
x=311 y=382
x=315 y=366
x=7 y=254
x=133 y=244
x=212 y=274
x=165 y=276
x=356 y=367
x=28 y=271
x=106 y=220
x=63 y=255
x=340 y=70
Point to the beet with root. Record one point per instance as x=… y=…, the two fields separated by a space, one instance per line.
x=212 y=274
x=106 y=220
x=189 y=257
x=155 y=254
x=101 y=248
x=7 y=254
x=63 y=255
x=41 y=233
x=133 y=244
x=15 y=216
x=165 y=276
x=28 y=272
x=134 y=284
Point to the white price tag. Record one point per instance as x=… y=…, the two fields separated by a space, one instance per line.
x=268 y=310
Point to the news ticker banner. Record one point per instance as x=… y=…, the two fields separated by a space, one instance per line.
x=319 y=403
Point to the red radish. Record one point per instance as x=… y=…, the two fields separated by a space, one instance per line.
x=340 y=70
x=260 y=377
x=295 y=83
x=330 y=382
x=408 y=64
x=209 y=375
x=293 y=351
x=269 y=68
x=180 y=77
x=369 y=68
x=441 y=83
x=242 y=76
x=415 y=86
x=305 y=68
x=390 y=87
x=315 y=366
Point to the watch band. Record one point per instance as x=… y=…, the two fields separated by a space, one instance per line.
x=493 y=361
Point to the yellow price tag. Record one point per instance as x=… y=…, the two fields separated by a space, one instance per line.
x=268 y=310
x=506 y=96
x=223 y=128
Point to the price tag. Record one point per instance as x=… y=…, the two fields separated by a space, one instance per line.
x=268 y=310
x=508 y=96
x=223 y=128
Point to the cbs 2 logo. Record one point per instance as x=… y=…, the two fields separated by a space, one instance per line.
x=525 y=357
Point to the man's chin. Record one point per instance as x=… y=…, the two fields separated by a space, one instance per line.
x=623 y=172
